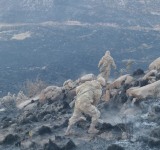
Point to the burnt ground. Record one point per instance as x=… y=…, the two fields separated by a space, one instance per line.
x=42 y=127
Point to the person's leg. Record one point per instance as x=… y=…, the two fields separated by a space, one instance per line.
x=95 y=114
x=75 y=118
x=103 y=74
x=107 y=74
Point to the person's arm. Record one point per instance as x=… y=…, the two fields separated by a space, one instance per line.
x=97 y=97
x=113 y=64
x=100 y=62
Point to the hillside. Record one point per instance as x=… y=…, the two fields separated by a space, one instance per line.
x=61 y=39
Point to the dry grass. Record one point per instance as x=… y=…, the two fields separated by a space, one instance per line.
x=33 y=88
x=42 y=97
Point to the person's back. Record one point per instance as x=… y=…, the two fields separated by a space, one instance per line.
x=88 y=95
x=105 y=65
x=91 y=90
x=107 y=60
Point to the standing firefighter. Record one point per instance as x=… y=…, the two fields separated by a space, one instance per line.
x=88 y=95
x=105 y=65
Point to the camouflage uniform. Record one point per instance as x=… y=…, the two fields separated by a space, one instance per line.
x=105 y=65
x=86 y=102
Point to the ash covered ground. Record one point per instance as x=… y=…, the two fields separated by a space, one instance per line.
x=57 y=40
x=32 y=124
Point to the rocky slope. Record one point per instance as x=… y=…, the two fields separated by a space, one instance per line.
x=36 y=124
x=38 y=37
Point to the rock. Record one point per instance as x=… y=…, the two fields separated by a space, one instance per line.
x=148 y=91
x=8 y=102
x=136 y=83
x=29 y=114
x=138 y=72
x=107 y=136
x=29 y=119
x=128 y=92
x=68 y=85
x=87 y=77
x=114 y=134
x=27 y=102
x=2 y=110
x=44 y=130
x=120 y=98
x=155 y=133
x=113 y=92
x=64 y=124
x=33 y=145
x=143 y=82
x=121 y=127
x=157 y=109
x=10 y=139
x=30 y=106
x=82 y=125
x=41 y=115
x=6 y=119
x=152 y=81
x=154 y=113
x=69 y=145
x=23 y=104
x=104 y=126
x=133 y=101
x=115 y=147
x=51 y=92
x=106 y=96
x=71 y=94
x=155 y=65
x=65 y=105
x=47 y=117
x=6 y=122
x=51 y=146
x=58 y=138
x=154 y=142
x=130 y=112
x=158 y=77
x=59 y=107
x=150 y=75
x=128 y=80
x=143 y=106
x=124 y=135
x=123 y=97
x=18 y=144
x=118 y=82
x=151 y=141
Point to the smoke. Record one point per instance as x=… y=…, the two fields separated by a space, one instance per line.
x=84 y=72
x=110 y=80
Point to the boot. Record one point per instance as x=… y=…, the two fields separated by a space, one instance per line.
x=68 y=130
x=70 y=126
x=92 y=130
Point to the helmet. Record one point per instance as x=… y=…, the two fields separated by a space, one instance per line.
x=101 y=81
x=107 y=53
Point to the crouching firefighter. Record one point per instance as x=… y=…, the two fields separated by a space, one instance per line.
x=88 y=96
